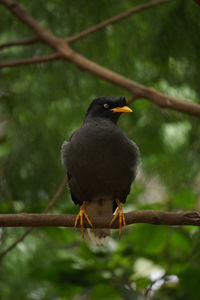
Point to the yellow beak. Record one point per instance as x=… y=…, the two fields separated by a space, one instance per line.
x=123 y=109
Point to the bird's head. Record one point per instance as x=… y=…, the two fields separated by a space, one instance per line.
x=108 y=108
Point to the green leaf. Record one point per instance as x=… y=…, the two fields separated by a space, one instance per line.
x=185 y=199
x=149 y=239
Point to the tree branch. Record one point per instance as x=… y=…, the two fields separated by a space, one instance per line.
x=43 y=34
x=198 y=2
x=52 y=202
x=30 y=61
x=141 y=216
x=115 y=19
x=24 y=42
x=136 y=89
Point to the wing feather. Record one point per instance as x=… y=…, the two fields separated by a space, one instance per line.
x=64 y=152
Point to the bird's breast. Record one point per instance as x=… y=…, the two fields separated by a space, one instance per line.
x=101 y=158
x=99 y=149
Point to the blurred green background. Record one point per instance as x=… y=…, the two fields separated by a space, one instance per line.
x=41 y=105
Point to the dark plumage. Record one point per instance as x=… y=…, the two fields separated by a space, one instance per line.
x=100 y=159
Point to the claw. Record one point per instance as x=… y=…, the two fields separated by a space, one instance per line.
x=82 y=213
x=119 y=214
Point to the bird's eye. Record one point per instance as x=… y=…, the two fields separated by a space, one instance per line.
x=106 y=105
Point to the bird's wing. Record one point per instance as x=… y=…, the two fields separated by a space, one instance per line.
x=64 y=155
x=135 y=156
x=64 y=151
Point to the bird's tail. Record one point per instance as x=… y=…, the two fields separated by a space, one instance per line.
x=99 y=208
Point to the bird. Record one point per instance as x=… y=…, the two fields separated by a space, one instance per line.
x=101 y=163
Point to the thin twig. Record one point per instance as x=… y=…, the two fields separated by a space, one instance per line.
x=30 y=61
x=52 y=202
x=57 y=195
x=114 y=19
x=64 y=220
x=24 y=42
x=148 y=291
x=131 y=99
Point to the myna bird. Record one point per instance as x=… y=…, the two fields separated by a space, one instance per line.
x=101 y=163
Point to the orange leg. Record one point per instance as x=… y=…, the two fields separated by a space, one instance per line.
x=119 y=214
x=82 y=213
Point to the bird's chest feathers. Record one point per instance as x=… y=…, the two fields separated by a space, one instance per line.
x=100 y=149
x=99 y=141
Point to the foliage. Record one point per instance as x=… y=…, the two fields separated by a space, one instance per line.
x=42 y=104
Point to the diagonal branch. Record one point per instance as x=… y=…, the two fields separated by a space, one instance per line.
x=24 y=42
x=84 y=33
x=30 y=61
x=136 y=89
x=114 y=20
x=52 y=202
x=141 y=216
x=43 y=34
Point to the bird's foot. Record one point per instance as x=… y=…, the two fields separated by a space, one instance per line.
x=119 y=214
x=82 y=213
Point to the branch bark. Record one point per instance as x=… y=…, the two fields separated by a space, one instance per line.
x=136 y=89
x=50 y=205
x=114 y=20
x=24 y=42
x=30 y=61
x=43 y=34
x=86 y=32
x=145 y=216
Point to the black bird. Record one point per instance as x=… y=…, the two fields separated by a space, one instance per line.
x=101 y=163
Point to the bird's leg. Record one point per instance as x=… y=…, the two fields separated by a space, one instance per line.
x=80 y=217
x=119 y=214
